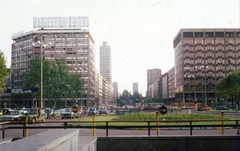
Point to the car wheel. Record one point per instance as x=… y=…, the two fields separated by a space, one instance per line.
x=62 y=117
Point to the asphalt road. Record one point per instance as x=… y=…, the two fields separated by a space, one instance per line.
x=115 y=132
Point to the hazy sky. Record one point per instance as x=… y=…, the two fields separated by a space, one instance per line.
x=140 y=32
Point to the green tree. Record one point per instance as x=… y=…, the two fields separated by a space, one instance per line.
x=4 y=72
x=121 y=102
x=229 y=87
x=126 y=96
x=136 y=96
x=58 y=83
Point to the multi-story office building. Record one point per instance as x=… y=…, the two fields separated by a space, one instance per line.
x=152 y=76
x=202 y=58
x=115 y=93
x=135 y=87
x=168 y=86
x=73 y=44
x=106 y=62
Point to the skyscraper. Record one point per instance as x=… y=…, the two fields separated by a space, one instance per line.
x=135 y=87
x=115 y=93
x=106 y=62
x=152 y=76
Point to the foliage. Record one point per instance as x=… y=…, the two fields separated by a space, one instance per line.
x=4 y=72
x=57 y=81
x=170 y=116
x=121 y=102
x=229 y=87
x=129 y=98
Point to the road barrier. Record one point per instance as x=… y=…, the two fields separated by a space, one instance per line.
x=150 y=125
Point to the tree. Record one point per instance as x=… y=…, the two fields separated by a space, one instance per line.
x=229 y=87
x=4 y=72
x=126 y=96
x=57 y=81
x=136 y=96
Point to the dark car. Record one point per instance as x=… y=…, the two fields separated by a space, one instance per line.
x=221 y=108
x=92 y=111
x=102 y=111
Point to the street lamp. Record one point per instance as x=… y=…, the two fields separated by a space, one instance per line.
x=81 y=69
x=40 y=42
x=189 y=88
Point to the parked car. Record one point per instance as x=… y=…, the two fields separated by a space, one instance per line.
x=50 y=113
x=85 y=110
x=13 y=115
x=221 y=108
x=92 y=111
x=67 y=113
x=102 y=111
x=34 y=114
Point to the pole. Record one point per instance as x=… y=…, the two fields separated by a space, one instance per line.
x=94 y=124
x=222 y=123
x=41 y=74
x=157 y=118
x=189 y=92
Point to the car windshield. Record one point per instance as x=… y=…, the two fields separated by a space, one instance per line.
x=68 y=110
x=14 y=112
x=31 y=111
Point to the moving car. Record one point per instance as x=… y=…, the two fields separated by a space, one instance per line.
x=13 y=115
x=102 y=111
x=221 y=108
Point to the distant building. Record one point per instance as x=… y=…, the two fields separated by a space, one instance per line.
x=152 y=76
x=106 y=62
x=115 y=92
x=135 y=87
x=202 y=58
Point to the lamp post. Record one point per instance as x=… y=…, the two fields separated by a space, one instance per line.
x=41 y=67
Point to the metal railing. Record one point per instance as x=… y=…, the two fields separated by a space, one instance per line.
x=149 y=125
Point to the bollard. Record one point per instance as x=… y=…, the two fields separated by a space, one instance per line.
x=157 y=118
x=26 y=125
x=94 y=124
x=222 y=123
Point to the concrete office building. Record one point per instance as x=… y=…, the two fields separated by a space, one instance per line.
x=202 y=58
x=152 y=76
x=135 y=87
x=115 y=93
x=106 y=62
x=73 y=43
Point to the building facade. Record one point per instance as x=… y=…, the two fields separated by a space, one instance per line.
x=115 y=93
x=106 y=62
x=75 y=46
x=135 y=87
x=202 y=58
x=152 y=76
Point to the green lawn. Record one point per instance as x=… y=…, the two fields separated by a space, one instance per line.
x=126 y=117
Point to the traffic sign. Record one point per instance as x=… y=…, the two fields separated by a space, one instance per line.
x=163 y=110
x=75 y=109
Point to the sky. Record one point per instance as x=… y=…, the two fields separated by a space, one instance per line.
x=140 y=32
